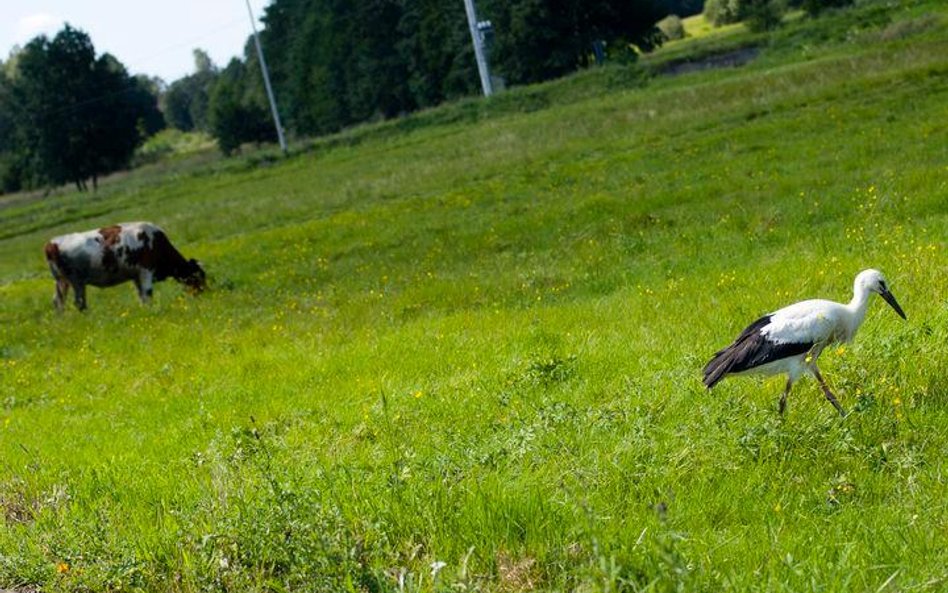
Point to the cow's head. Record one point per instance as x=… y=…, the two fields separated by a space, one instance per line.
x=193 y=276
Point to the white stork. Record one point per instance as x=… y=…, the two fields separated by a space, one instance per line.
x=790 y=340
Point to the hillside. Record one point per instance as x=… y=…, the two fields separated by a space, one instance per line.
x=463 y=351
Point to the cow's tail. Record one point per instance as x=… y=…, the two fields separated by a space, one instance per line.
x=53 y=259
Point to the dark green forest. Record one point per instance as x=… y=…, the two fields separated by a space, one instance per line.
x=335 y=63
x=70 y=116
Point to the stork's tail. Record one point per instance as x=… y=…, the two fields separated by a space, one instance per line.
x=745 y=352
x=718 y=366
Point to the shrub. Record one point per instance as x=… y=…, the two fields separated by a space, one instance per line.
x=762 y=15
x=11 y=174
x=721 y=12
x=671 y=27
x=815 y=7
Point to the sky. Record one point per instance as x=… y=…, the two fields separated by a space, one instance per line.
x=153 y=37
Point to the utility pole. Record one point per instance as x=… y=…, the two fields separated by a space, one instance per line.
x=266 y=82
x=479 y=51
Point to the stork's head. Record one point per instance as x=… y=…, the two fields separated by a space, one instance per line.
x=874 y=281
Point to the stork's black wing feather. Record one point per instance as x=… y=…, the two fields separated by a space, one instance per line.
x=750 y=349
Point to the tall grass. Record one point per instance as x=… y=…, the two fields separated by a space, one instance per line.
x=467 y=355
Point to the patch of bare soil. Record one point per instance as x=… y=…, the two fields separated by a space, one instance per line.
x=731 y=59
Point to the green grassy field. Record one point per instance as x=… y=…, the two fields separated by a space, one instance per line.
x=464 y=352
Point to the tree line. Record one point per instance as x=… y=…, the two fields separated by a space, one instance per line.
x=762 y=15
x=70 y=116
x=335 y=63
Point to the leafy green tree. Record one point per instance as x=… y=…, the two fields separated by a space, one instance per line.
x=176 y=103
x=758 y=15
x=435 y=48
x=374 y=71
x=762 y=15
x=721 y=12
x=815 y=7
x=671 y=27
x=78 y=116
x=127 y=114
x=11 y=155
x=541 y=39
x=235 y=111
x=308 y=46
x=55 y=85
x=185 y=103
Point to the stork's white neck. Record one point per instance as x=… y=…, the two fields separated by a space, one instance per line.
x=857 y=307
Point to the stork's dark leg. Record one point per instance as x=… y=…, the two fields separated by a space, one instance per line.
x=827 y=392
x=783 y=398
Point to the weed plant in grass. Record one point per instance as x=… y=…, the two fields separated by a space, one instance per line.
x=467 y=355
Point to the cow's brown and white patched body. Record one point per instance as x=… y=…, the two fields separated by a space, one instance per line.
x=136 y=251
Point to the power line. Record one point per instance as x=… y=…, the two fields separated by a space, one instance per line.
x=189 y=42
x=78 y=105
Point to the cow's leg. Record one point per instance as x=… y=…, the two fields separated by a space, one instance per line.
x=144 y=284
x=62 y=289
x=80 y=296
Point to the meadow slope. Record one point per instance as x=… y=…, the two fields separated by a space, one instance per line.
x=467 y=356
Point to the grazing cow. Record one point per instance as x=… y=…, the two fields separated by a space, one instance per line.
x=136 y=251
